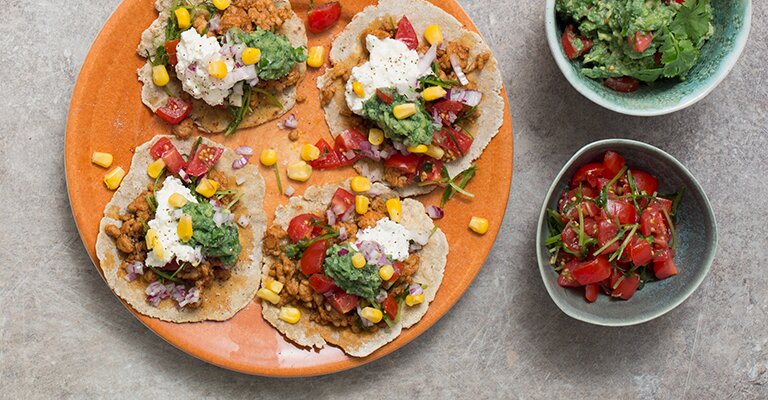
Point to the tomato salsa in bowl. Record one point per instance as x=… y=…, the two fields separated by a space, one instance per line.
x=658 y=241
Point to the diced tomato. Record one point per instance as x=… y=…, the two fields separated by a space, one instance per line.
x=454 y=140
x=613 y=163
x=593 y=271
x=590 y=227
x=431 y=169
x=313 y=257
x=627 y=288
x=174 y=162
x=341 y=301
x=622 y=210
x=323 y=17
x=205 y=158
x=625 y=84
x=570 y=239
x=588 y=173
x=406 y=33
x=591 y=291
x=398 y=267
x=301 y=227
x=170 y=48
x=322 y=283
x=174 y=111
x=645 y=182
x=349 y=140
x=568 y=209
x=342 y=201
x=663 y=255
x=447 y=106
x=665 y=204
x=640 y=251
x=390 y=307
x=574 y=46
x=606 y=231
x=347 y=158
x=654 y=223
x=160 y=147
x=640 y=41
x=407 y=164
x=665 y=269
x=385 y=97
x=566 y=278
x=329 y=158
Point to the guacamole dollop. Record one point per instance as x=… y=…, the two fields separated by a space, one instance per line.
x=222 y=242
x=278 y=57
x=678 y=32
x=364 y=282
x=412 y=131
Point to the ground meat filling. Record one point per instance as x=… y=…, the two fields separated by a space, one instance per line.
x=130 y=241
x=250 y=14
x=297 y=291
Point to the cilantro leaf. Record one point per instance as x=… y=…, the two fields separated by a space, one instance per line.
x=693 y=21
x=678 y=56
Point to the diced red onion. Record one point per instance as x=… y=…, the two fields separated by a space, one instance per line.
x=290 y=123
x=425 y=63
x=331 y=216
x=192 y=296
x=240 y=180
x=243 y=221
x=437 y=120
x=350 y=154
x=381 y=296
x=415 y=289
x=245 y=73
x=184 y=177
x=348 y=215
x=289 y=191
x=135 y=268
x=192 y=67
x=220 y=218
x=215 y=23
x=343 y=252
x=244 y=150
x=155 y=289
x=239 y=163
x=338 y=209
x=435 y=212
x=131 y=276
x=253 y=82
x=457 y=69
x=373 y=252
x=467 y=97
x=343 y=234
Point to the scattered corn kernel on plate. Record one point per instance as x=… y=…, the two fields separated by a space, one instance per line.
x=107 y=121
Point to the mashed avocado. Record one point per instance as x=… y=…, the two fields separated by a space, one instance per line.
x=678 y=33
x=220 y=242
x=278 y=57
x=364 y=282
x=411 y=131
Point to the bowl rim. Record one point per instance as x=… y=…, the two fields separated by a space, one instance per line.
x=545 y=268
x=718 y=77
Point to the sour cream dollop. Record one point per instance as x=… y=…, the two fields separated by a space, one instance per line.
x=393 y=238
x=391 y=65
x=194 y=53
x=166 y=224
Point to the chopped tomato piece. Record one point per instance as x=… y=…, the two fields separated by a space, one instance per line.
x=587 y=173
x=654 y=223
x=342 y=201
x=593 y=271
x=570 y=239
x=591 y=291
x=205 y=158
x=174 y=161
x=349 y=140
x=622 y=210
x=406 y=33
x=627 y=287
x=566 y=278
x=174 y=111
x=624 y=84
x=613 y=163
x=322 y=283
x=406 y=163
x=430 y=169
x=607 y=231
x=640 y=251
x=663 y=255
x=170 y=48
x=313 y=257
x=665 y=269
x=385 y=97
x=329 y=158
x=454 y=140
x=160 y=147
x=447 y=106
x=574 y=46
x=398 y=267
x=390 y=307
x=645 y=182
x=323 y=17
x=640 y=41
x=301 y=226
x=341 y=301
x=590 y=227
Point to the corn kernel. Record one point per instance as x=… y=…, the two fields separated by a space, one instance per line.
x=358 y=260
x=101 y=159
x=221 y=4
x=156 y=168
x=386 y=272
x=435 y=152
x=176 y=200
x=394 y=209
x=217 y=69
x=290 y=315
x=274 y=286
x=376 y=136
x=113 y=178
x=358 y=88
x=310 y=152
x=404 y=111
x=183 y=18
x=360 y=184
x=268 y=295
x=316 y=56
x=207 y=187
x=478 y=225
x=160 y=75
x=268 y=157
x=414 y=299
x=361 y=204
x=420 y=149
x=433 y=34
x=251 y=56
x=151 y=238
x=433 y=93
x=184 y=229
x=372 y=314
x=299 y=171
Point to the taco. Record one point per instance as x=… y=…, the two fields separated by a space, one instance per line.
x=352 y=271
x=184 y=246
x=404 y=105
x=224 y=70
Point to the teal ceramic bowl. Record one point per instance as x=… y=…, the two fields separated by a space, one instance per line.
x=718 y=56
x=696 y=238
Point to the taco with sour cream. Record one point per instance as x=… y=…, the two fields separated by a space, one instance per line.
x=181 y=238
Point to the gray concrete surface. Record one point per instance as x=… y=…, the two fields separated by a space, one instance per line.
x=62 y=334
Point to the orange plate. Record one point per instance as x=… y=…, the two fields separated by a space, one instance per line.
x=106 y=114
